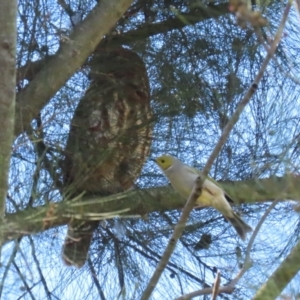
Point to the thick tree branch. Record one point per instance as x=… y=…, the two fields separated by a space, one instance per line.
x=8 y=39
x=281 y=277
x=30 y=69
x=263 y=190
x=138 y=202
x=71 y=55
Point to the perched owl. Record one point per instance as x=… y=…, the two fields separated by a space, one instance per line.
x=109 y=139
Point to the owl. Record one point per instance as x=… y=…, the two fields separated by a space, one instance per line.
x=109 y=139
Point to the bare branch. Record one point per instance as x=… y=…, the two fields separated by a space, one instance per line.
x=156 y=257
x=37 y=263
x=26 y=286
x=200 y=14
x=67 y=8
x=222 y=289
x=247 y=262
x=9 y=263
x=252 y=89
x=213 y=11
x=30 y=69
x=95 y=279
x=195 y=194
x=228 y=289
x=216 y=286
x=138 y=202
x=222 y=140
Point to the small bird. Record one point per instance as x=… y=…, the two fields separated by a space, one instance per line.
x=183 y=177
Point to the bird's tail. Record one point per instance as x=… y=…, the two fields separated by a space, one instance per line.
x=240 y=226
x=77 y=242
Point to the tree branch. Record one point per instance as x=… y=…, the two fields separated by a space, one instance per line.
x=95 y=279
x=215 y=289
x=225 y=134
x=229 y=288
x=39 y=269
x=281 y=277
x=179 y=228
x=7 y=91
x=212 y=11
x=70 y=56
x=138 y=202
x=26 y=287
x=252 y=89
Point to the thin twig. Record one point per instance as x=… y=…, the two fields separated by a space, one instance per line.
x=229 y=288
x=207 y=291
x=252 y=89
x=216 y=286
x=10 y=261
x=224 y=136
x=66 y=7
x=95 y=279
x=156 y=257
x=247 y=261
x=28 y=289
x=195 y=194
x=43 y=280
x=119 y=265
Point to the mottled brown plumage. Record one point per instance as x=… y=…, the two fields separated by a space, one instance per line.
x=109 y=138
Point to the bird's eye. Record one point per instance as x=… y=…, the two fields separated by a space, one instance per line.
x=163 y=161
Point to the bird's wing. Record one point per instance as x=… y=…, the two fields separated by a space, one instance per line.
x=208 y=186
x=228 y=197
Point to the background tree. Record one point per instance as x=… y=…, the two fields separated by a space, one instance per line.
x=201 y=60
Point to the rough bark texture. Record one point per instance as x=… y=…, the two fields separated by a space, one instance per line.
x=7 y=90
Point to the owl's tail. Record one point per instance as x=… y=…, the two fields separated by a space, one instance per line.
x=77 y=242
x=240 y=226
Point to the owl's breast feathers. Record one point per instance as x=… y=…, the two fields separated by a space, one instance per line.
x=109 y=138
x=111 y=130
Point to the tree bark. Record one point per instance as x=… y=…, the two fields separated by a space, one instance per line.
x=139 y=202
x=281 y=277
x=7 y=90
